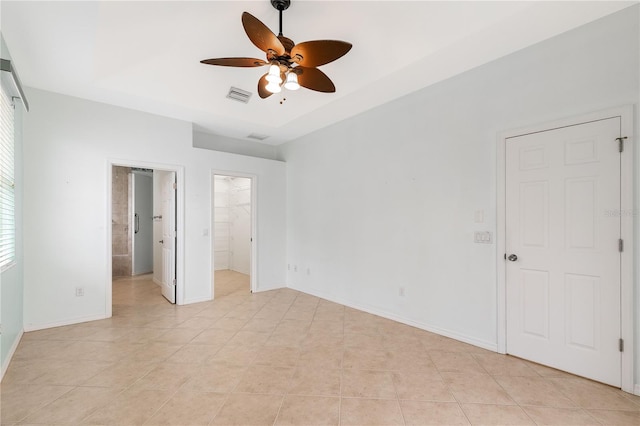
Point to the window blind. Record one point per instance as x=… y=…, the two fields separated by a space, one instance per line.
x=7 y=182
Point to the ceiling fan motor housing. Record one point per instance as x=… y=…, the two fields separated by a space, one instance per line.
x=281 y=4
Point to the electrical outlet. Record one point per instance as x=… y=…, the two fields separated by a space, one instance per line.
x=79 y=291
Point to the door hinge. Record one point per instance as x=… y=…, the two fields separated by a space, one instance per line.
x=175 y=185
x=621 y=345
x=621 y=143
x=174 y=281
x=620 y=245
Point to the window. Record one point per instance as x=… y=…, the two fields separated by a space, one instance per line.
x=7 y=183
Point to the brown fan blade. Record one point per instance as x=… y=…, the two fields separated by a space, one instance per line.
x=261 y=35
x=235 y=62
x=314 y=79
x=262 y=84
x=319 y=52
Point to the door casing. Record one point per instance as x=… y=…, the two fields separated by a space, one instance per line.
x=180 y=178
x=627 y=231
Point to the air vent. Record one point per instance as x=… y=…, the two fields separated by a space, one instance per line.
x=239 y=95
x=257 y=136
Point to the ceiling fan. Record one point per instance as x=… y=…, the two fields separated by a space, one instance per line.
x=290 y=65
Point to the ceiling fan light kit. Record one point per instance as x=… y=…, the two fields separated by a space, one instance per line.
x=273 y=76
x=292 y=81
x=290 y=65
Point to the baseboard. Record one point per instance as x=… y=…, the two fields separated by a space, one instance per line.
x=269 y=288
x=155 y=280
x=12 y=351
x=200 y=300
x=636 y=390
x=71 y=321
x=491 y=346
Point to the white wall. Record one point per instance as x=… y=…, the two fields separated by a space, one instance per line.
x=387 y=199
x=233 y=145
x=67 y=144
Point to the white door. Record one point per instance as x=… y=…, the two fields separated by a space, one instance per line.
x=169 y=236
x=563 y=290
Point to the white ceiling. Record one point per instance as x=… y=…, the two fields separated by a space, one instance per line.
x=145 y=55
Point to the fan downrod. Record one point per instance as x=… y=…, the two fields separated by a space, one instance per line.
x=281 y=4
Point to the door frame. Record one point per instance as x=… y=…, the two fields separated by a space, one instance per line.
x=626 y=224
x=253 y=278
x=179 y=170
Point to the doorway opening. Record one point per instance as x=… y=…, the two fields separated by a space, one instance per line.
x=233 y=229
x=145 y=218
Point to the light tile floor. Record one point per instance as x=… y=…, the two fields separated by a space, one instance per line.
x=231 y=283
x=280 y=357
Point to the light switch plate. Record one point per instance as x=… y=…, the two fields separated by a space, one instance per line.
x=483 y=237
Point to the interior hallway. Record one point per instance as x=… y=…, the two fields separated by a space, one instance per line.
x=280 y=357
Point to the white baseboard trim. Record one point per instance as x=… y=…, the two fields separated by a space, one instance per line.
x=636 y=389
x=200 y=300
x=269 y=288
x=71 y=321
x=157 y=281
x=491 y=346
x=12 y=351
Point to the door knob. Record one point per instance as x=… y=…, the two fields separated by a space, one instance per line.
x=512 y=257
x=161 y=241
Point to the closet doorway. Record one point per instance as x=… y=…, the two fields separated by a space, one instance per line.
x=233 y=229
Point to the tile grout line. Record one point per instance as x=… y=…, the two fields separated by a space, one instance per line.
x=275 y=420
x=395 y=388
x=451 y=392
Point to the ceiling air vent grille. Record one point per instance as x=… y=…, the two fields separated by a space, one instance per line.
x=239 y=95
x=257 y=136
